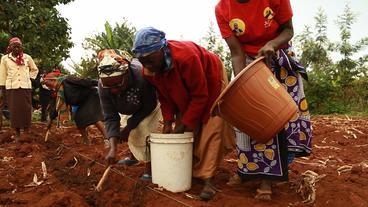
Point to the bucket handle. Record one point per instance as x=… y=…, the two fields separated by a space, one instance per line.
x=148 y=148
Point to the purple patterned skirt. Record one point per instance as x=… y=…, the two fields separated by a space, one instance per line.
x=270 y=160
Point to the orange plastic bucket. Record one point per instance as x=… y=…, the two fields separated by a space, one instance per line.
x=256 y=103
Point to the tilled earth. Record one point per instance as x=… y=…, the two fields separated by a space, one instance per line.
x=336 y=174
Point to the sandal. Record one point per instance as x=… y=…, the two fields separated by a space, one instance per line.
x=208 y=192
x=263 y=195
x=146 y=177
x=128 y=162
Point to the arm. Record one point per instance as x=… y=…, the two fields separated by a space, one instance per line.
x=236 y=49
x=111 y=115
x=283 y=17
x=269 y=50
x=3 y=72
x=195 y=80
x=167 y=110
x=33 y=70
x=237 y=54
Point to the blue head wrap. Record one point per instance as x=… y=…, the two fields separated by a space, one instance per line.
x=148 y=40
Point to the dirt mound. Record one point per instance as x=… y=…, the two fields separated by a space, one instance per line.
x=334 y=175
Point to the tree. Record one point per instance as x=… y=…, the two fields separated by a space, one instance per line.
x=44 y=32
x=87 y=67
x=119 y=37
x=215 y=44
x=315 y=46
x=348 y=68
x=315 y=53
x=335 y=86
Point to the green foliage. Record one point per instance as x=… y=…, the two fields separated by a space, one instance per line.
x=118 y=37
x=335 y=85
x=215 y=44
x=45 y=34
x=87 y=68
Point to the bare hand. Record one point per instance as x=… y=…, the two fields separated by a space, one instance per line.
x=167 y=129
x=268 y=51
x=179 y=129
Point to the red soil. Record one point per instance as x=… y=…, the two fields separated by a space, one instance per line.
x=338 y=141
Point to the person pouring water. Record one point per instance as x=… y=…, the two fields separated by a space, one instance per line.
x=263 y=28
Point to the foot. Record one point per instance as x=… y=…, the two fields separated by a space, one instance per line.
x=234 y=180
x=111 y=156
x=264 y=191
x=17 y=136
x=208 y=191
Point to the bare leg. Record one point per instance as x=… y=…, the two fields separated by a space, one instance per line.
x=84 y=134
x=111 y=156
x=147 y=169
x=101 y=128
x=147 y=175
x=17 y=134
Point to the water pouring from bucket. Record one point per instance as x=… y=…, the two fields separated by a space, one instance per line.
x=256 y=103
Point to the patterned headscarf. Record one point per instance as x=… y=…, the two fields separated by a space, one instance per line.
x=61 y=106
x=19 y=59
x=148 y=40
x=15 y=40
x=113 y=62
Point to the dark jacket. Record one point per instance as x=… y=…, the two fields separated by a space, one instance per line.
x=138 y=100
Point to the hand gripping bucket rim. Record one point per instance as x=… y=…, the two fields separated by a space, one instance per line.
x=256 y=103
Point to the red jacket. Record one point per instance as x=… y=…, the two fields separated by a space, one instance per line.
x=191 y=85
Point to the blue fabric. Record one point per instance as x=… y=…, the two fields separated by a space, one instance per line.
x=291 y=157
x=74 y=108
x=148 y=40
x=127 y=162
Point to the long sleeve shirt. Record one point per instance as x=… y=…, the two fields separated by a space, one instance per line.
x=138 y=100
x=191 y=85
x=14 y=76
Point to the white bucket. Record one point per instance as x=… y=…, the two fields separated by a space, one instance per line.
x=171 y=161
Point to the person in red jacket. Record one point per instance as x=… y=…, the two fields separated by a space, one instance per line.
x=264 y=28
x=188 y=79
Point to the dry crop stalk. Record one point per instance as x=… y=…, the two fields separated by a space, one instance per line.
x=103 y=179
x=47 y=135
